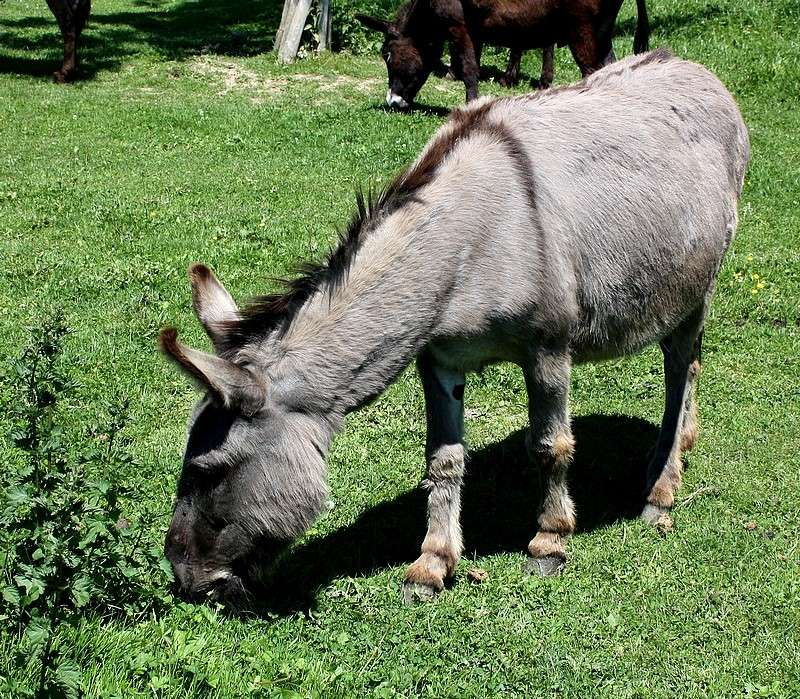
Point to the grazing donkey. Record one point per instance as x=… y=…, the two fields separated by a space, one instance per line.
x=566 y=226
x=413 y=42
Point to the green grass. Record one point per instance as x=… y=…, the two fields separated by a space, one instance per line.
x=187 y=142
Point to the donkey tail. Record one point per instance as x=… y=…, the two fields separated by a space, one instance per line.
x=641 y=39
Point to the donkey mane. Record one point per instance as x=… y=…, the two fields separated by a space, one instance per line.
x=264 y=313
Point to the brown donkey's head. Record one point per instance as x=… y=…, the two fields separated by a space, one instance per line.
x=410 y=57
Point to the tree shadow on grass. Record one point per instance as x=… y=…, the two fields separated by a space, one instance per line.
x=666 y=24
x=499 y=503
x=227 y=27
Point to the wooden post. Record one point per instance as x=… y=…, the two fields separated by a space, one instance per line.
x=324 y=25
x=282 y=26
x=287 y=40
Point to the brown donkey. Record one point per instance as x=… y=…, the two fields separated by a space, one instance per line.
x=567 y=226
x=414 y=41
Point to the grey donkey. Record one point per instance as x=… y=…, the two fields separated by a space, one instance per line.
x=567 y=226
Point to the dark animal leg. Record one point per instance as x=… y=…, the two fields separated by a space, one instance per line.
x=441 y=549
x=478 y=46
x=679 y=425
x=464 y=60
x=588 y=51
x=550 y=446
x=548 y=70
x=442 y=70
x=511 y=76
x=71 y=16
x=690 y=426
x=641 y=39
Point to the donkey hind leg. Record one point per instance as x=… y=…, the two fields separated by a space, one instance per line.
x=679 y=425
x=690 y=425
x=441 y=549
x=511 y=76
x=550 y=446
x=548 y=70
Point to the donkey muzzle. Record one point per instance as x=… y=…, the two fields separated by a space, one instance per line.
x=394 y=101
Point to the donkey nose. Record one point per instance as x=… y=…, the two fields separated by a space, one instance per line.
x=182 y=587
x=175 y=552
x=395 y=101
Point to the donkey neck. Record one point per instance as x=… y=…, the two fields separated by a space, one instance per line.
x=349 y=341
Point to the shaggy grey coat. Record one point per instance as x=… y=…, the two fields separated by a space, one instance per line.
x=569 y=225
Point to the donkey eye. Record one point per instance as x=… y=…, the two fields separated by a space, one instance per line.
x=207 y=465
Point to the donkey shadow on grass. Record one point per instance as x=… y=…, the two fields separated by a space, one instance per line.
x=499 y=506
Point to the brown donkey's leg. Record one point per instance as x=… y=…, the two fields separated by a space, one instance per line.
x=550 y=445
x=679 y=424
x=548 y=70
x=464 y=60
x=441 y=549
x=71 y=16
x=511 y=76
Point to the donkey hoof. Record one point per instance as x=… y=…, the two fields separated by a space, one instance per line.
x=546 y=566
x=657 y=516
x=418 y=592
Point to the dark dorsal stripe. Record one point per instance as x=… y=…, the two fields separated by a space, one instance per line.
x=265 y=313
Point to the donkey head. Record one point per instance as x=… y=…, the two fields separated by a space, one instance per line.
x=409 y=58
x=253 y=469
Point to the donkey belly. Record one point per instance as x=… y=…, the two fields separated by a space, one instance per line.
x=518 y=27
x=625 y=309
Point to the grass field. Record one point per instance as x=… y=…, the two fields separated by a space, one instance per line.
x=186 y=142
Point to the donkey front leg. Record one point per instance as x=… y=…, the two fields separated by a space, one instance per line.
x=441 y=549
x=550 y=446
x=464 y=60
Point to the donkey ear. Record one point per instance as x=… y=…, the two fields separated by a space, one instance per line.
x=233 y=386
x=379 y=25
x=214 y=306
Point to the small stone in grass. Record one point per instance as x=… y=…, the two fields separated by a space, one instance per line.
x=750 y=526
x=477 y=575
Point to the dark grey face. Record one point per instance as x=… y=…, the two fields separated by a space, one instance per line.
x=253 y=473
x=217 y=528
x=408 y=70
x=250 y=484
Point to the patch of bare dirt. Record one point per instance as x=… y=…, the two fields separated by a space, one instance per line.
x=231 y=77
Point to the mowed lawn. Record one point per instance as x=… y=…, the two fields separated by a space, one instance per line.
x=186 y=142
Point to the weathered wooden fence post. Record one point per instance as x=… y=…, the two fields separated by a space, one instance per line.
x=293 y=19
x=324 y=26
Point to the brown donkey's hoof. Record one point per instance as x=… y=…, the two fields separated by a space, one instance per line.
x=414 y=592
x=546 y=566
